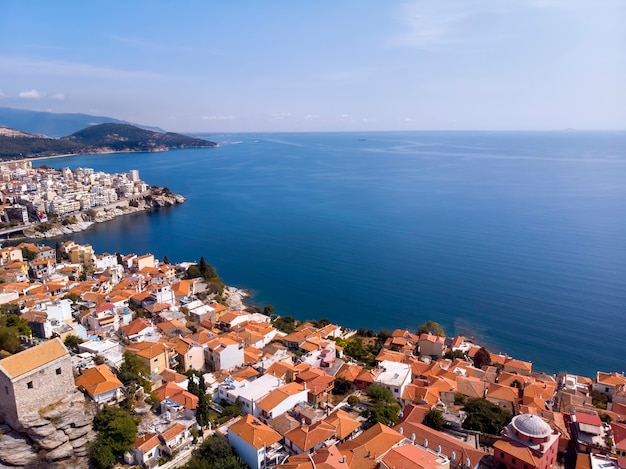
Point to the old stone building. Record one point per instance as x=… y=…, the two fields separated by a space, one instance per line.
x=34 y=379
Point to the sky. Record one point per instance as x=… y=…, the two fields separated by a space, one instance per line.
x=323 y=65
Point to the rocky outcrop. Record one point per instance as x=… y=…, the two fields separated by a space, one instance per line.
x=57 y=435
x=155 y=198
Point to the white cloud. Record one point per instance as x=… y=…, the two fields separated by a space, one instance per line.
x=311 y=117
x=218 y=118
x=35 y=67
x=58 y=96
x=2 y=95
x=408 y=119
x=281 y=115
x=343 y=117
x=430 y=24
x=32 y=94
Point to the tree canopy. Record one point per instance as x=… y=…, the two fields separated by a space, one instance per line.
x=384 y=408
x=482 y=357
x=215 y=453
x=117 y=431
x=431 y=327
x=134 y=370
x=485 y=416
x=434 y=419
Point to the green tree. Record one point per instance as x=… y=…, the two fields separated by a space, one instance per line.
x=434 y=419
x=485 y=416
x=9 y=340
x=482 y=357
x=454 y=354
x=286 y=324
x=431 y=327
x=134 y=370
x=379 y=393
x=353 y=401
x=17 y=323
x=268 y=310
x=193 y=271
x=72 y=342
x=215 y=453
x=385 y=413
x=166 y=260
x=599 y=400
x=342 y=386
x=117 y=431
x=28 y=255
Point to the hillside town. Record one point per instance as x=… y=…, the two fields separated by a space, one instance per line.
x=35 y=198
x=89 y=338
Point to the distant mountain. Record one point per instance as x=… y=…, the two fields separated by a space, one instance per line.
x=101 y=138
x=53 y=124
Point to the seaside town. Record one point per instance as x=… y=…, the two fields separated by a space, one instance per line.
x=43 y=202
x=125 y=360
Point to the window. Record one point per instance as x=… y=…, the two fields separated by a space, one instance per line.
x=58 y=371
x=29 y=385
x=502 y=454
x=6 y=389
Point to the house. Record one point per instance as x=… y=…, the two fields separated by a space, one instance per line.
x=504 y=396
x=146 y=450
x=309 y=438
x=512 y=365
x=529 y=441
x=281 y=400
x=589 y=433
x=138 y=330
x=366 y=450
x=174 y=438
x=100 y=384
x=430 y=345
x=247 y=393
x=190 y=354
x=414 y=457
x=609 y=383
x=223 y=353
x=156 y=355
x=176 y=400
x=318 y=383
x=457 y=451
x=35 y=378
x=253 y=441
x=324 y=458
x=345 y=426
x=395 y=376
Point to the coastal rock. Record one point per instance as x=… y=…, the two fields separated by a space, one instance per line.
x=16 y=450
x=62 y=431
x=65 y=451
x=52 y=441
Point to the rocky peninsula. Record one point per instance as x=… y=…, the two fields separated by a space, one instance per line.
x=155 y=198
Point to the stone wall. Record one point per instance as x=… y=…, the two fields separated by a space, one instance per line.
x=32 y=391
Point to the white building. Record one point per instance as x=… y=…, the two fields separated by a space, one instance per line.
x=223 y=353
x=395 y=376
x=248 y=393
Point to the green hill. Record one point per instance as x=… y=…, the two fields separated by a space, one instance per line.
x=94 y=139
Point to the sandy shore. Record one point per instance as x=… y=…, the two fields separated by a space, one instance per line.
x=235 y=298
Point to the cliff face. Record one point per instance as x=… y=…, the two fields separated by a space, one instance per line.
x=55 y=437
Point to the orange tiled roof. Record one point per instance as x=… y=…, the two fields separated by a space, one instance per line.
x=364 y=451
x=32 y=358
x=277 y=396
x=98 y=380
x=254 y=432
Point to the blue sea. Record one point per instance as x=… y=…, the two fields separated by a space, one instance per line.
x=517 y=239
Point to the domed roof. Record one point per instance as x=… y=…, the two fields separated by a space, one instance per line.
x=531 y=425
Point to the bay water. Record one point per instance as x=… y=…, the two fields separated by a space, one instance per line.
x=515 y=238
